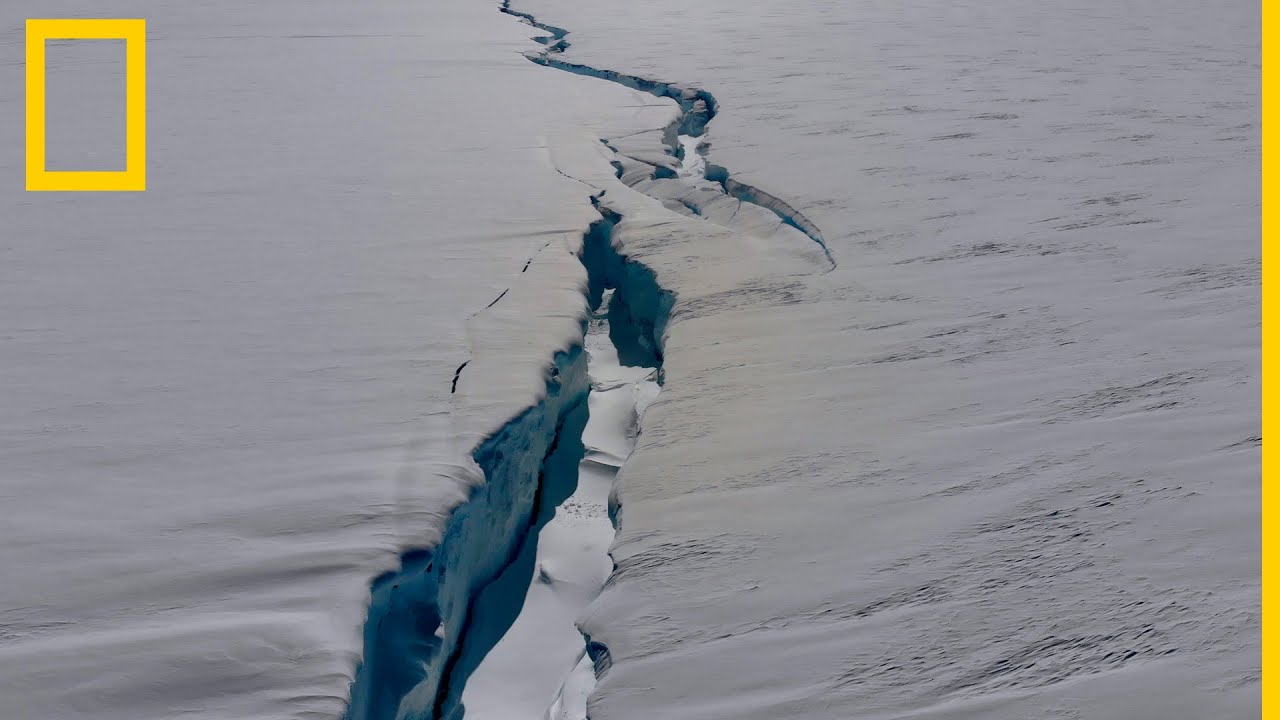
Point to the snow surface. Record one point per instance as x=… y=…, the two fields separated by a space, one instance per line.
x=1001 y=462
x=227 y=401
x=999 y=459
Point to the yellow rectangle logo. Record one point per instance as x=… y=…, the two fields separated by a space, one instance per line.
x=134 y=176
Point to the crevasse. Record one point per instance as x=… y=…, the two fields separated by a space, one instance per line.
x=697 y=108
x=431 y=623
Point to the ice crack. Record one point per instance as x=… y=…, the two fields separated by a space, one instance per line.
x=698 y=107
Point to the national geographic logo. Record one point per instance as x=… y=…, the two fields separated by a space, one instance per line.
x=134 y=177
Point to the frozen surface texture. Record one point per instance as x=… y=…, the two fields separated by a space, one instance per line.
x=1002 y=462
x=990 y=450
x=230 y=403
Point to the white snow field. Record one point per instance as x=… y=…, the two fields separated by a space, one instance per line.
x=956 y=324
x=225 y=403
x=1002 y=461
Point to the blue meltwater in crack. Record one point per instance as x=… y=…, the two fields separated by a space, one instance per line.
x=488 y=617
x=540 y=668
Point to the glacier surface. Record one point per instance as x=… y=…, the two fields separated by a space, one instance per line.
x=1002 y=461
x=955 y=307
x=231 y=402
